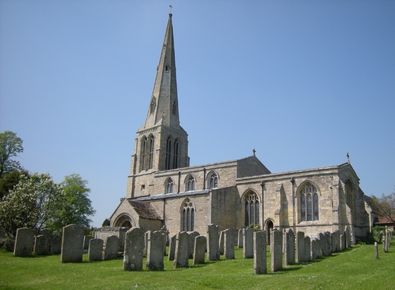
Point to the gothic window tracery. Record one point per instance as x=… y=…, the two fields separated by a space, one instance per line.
x=187 y=216
x=143 y=153
x=175 y=155
x=212 y=180
x=190 y=183
x=168 y=153
x=309 y=210
x=251 y=207
x=151 y=152
x=169 y=185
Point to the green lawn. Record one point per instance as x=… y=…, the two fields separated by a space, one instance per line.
x=352 y=269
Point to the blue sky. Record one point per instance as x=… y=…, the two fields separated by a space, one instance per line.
x=302 y=82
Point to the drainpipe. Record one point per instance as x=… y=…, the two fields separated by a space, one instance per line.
x=263 y=204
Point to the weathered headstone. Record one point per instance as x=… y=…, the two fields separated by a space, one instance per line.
x=41 y=245
x=145 y=243
x=55 y=244
x=248 y=246
x=275 y=249
x=95 y=250
x=328 y=245
x=155 y=250
x=191 y=242
x=221 y=243
x=300 y=247
x=182 y=251
x=260 y=252
x=290 y=247
x=199 y=250
x=72 y=244
x=87 y=238
x=307 y=249
x=213 y=243
x=341 y=242
x=348 y=237
x=133 y=250
x=229 y=249
x=240 y=238
x=172 y=247
x=376 y=250
x=24 y=240
x=314 y=249
x=111 y=248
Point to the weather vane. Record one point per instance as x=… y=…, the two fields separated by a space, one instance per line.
x=348 y=157
x=253 y=151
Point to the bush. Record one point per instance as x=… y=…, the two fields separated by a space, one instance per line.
x=377 y=233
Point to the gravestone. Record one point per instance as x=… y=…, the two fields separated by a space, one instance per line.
x=72 y=244
x=155 y=250
x=182 y=251
x=328 y=245
x=199 y=250
x=213 y=242
x=319 y=248
x=41 y=245
x=376 y=250
x=191 y=242
x=95 y=250
x=275 y=249
x=55 y=244
x=86 y=241
x=111 y=248
x=133 y=250
x=248 y=249
x=172 y=248
x=300 y=247
x=240 y=238
x=145 y=243
x=164 y=237
x=307 y=249
x=221 y=243
x=24 y=240
x=348 y=238
x=341 y=242
x=290 y=247
x=260 y=252
x=229 y=249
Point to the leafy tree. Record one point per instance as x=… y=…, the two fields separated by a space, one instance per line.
x=106 y=223
x=10 y=146
x=384 y=206
x=9 y=180
x=29 y=204
x=72 y=205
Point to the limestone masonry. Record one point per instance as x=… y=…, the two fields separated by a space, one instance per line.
x=165 y=192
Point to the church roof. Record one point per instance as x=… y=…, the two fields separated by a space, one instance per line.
x=144 y=210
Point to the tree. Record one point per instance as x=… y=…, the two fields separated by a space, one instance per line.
x=72 y=205
x=29 y=203
x=10 y=146
x=384 y=206
x=9 y=180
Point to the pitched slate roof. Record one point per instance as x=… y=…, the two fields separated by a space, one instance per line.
x=144 y=210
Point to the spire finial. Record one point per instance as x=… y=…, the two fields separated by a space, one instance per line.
x=348 y=158
x=254 y=151
x=170 y=10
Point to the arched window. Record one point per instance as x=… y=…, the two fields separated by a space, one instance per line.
x=212 y=180
x=175 y=155
x=169 y=185
x=251 y=207
x=151 y=152
x=187 y=216
x=189 y=183
x=143 y=153
x=168 y=154
x=309 y=210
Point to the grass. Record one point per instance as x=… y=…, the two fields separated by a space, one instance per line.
x=353 y=269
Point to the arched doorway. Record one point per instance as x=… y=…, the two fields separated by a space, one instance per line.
x=124 y=221
x=268 y=227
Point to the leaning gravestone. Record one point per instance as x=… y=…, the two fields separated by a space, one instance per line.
x=191 y=242
x=221 y=243
x=300 y=247
x=111 y=248
x=290 y=247
x=240 y=238
x=229 y=244
x=55 y=244
x=172 y=248
x=182 y=251
x=248 y=249
x=95 y=250
x=72 y=244
x=213 y=243
x=307 y=249
x=328 y=245
x=133 y=250
x=199 y=250
x=314 y=249
x=24 y=242
x=41 y=245
x=260 y=252
x=155 y=250
x=275 y=249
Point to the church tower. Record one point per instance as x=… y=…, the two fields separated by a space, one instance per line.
x=162 y=144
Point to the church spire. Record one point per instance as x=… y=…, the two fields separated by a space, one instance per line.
x=163 y=108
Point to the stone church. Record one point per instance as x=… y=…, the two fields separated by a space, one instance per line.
x=163 y=190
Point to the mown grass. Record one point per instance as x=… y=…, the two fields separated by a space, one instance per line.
x=353 y=269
